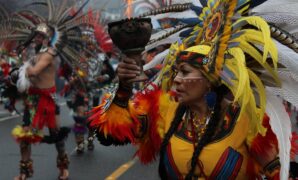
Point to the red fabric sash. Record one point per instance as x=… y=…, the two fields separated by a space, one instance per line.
x=45 y=111
x=5 y=68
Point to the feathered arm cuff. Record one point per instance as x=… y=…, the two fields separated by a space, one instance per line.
x=140 y=122
x=23 y=82
x=112 y=121
x=262 y=148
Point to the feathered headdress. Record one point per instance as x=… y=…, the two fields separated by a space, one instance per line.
x=236 y=49
x=66 y=21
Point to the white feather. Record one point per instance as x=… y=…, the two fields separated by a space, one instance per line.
x=277 y=6
x=281 y=13
x=156 y=60
x=287 y=57
x=184 y=14
x=160 y=33
x=169 y=40
x=195 y=2
x=288 y=91
x=295 y=35
x=142 y=8
x=288 y=74
x=23 y=82
x=281 y=126
x=286 y=21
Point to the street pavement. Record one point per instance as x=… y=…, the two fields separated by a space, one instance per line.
x=92 y=165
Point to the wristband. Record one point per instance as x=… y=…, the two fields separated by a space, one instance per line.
x=272 y=168
x=122 y=96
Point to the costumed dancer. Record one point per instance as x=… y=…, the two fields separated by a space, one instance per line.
x=99 y=74
x=8 y=62
x=210 y=114
x=58 y=34
x=40 y=105
x=79 y=105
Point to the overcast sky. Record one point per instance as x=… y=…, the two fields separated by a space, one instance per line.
x=92 y=3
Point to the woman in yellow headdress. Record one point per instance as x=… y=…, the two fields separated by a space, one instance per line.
x=205 y=117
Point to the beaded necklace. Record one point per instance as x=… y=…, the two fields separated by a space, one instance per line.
x=198 y=125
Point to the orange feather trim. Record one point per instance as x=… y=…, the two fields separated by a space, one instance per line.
x=20 y=135
x=115 y=122
x=141 y=120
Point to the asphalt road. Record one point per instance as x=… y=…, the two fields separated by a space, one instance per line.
x=92 y=165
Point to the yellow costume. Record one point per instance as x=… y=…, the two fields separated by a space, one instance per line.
x=231 y=142
x=226 y=156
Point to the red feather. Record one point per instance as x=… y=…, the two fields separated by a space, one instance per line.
x=5 y=69
x=103 y=39
x=294 y=145
x=32 y=139
x=116 y=122
x=45 y=111
x=261 y=145
x=252 y=169
x=149 y=146
x=8 y=46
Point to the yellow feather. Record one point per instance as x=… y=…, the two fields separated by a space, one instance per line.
x=243 y=97
x=245 y=8
x=203 y=15
x=256 y=113
x=115 y=116
x=249 y=49
x=247 y=100
x=262 y=25
x=239 y=56
x=225 y=37
x=261 y=92
x=256 y=37
x=165 y=76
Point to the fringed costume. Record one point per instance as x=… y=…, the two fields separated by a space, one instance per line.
x=39 y=112
x=80 y=127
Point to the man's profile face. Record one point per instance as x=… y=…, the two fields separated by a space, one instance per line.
x=38 y=39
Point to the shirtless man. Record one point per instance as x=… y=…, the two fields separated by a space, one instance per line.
x=40 y=107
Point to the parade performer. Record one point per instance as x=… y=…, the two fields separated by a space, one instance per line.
x=40 y=106
x=8 y=62
x=210 y=114
x=79 y=104
x=99 y=73
x=58 y=34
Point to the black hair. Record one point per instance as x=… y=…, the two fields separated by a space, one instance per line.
x=221 y=91
x=174 y=125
